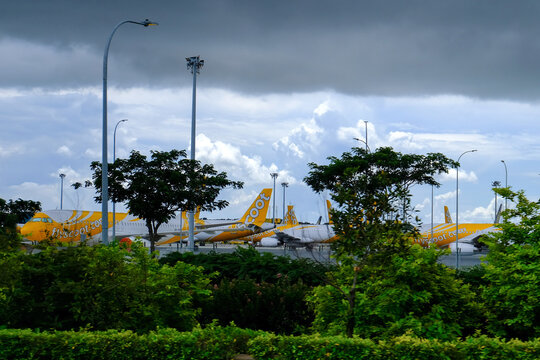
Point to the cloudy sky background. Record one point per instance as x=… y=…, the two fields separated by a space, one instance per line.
x=285 y=83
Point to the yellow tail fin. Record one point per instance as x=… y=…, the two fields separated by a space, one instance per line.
x=256 y=213
x=185 y=218
x=447 y=217
x=290 y=217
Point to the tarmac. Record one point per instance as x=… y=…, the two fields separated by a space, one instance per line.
x=320 y=253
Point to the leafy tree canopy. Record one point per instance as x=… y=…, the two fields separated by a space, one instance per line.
x=11 y=214
x=17 y=212
x=512 y=270
x=369 y=189
x=155 y=189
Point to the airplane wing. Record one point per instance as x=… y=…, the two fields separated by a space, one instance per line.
x=471 y=238
x=209 y=226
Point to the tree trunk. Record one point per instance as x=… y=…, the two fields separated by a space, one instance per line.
x=351 y=321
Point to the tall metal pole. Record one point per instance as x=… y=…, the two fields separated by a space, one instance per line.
x=194 y=64
x=284 y=184
x=431 y=213
x=62 y=176
x=274 y=176
x=365 y=122
x=457 y=206
x=104 y=164
x=114 y=161
x=495 y=184
x=505 y=183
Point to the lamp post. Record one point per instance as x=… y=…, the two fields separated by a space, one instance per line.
x=431 y=213
x=274 y=176
x=104 y=165
x=62 y=176
x=365 y=122
x=284 y=184
x=114 y=161
x=194 y=64
x=367 y=147
x=495 y=184
x=457 y=206
x=505 y=183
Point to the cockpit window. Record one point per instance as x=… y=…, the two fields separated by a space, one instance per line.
x=45 y=220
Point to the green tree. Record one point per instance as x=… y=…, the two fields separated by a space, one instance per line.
x=409 y=293
x=11 y=214
x=369 y=190
x=512 y=270
x=155 y=189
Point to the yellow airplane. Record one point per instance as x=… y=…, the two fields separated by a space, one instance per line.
x=444 y=235
x=74 y=225
x=307 y=235
x=267 y=237
x=251 y=222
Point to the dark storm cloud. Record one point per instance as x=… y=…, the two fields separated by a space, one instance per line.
x=475 y=48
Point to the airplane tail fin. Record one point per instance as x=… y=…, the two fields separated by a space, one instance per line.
x=290 y=217
x=498 y=217
x=256 y=213
x=329 y=207
x=185 y=220
x=447 y=217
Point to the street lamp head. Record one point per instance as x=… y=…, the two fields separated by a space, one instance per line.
x=274 y=175
x=62 y=175
x=147 y=22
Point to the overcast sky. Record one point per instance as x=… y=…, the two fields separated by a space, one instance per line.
x=285 y=83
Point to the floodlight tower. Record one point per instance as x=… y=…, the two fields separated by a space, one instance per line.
x=194 y=64
x=274 y=176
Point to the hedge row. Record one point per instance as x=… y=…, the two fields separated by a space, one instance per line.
x=226 y=342
x=210 y=343
x=403 y=347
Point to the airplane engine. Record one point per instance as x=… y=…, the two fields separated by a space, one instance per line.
x=463 y=248
x=269 y=242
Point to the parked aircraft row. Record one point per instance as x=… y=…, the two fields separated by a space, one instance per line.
x=72 y=225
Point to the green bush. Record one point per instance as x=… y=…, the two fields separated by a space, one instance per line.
x=100 y=288
x=249 y=263
x=269 y=346
x=278 y=307
x=211 y=343
x=215 y=342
